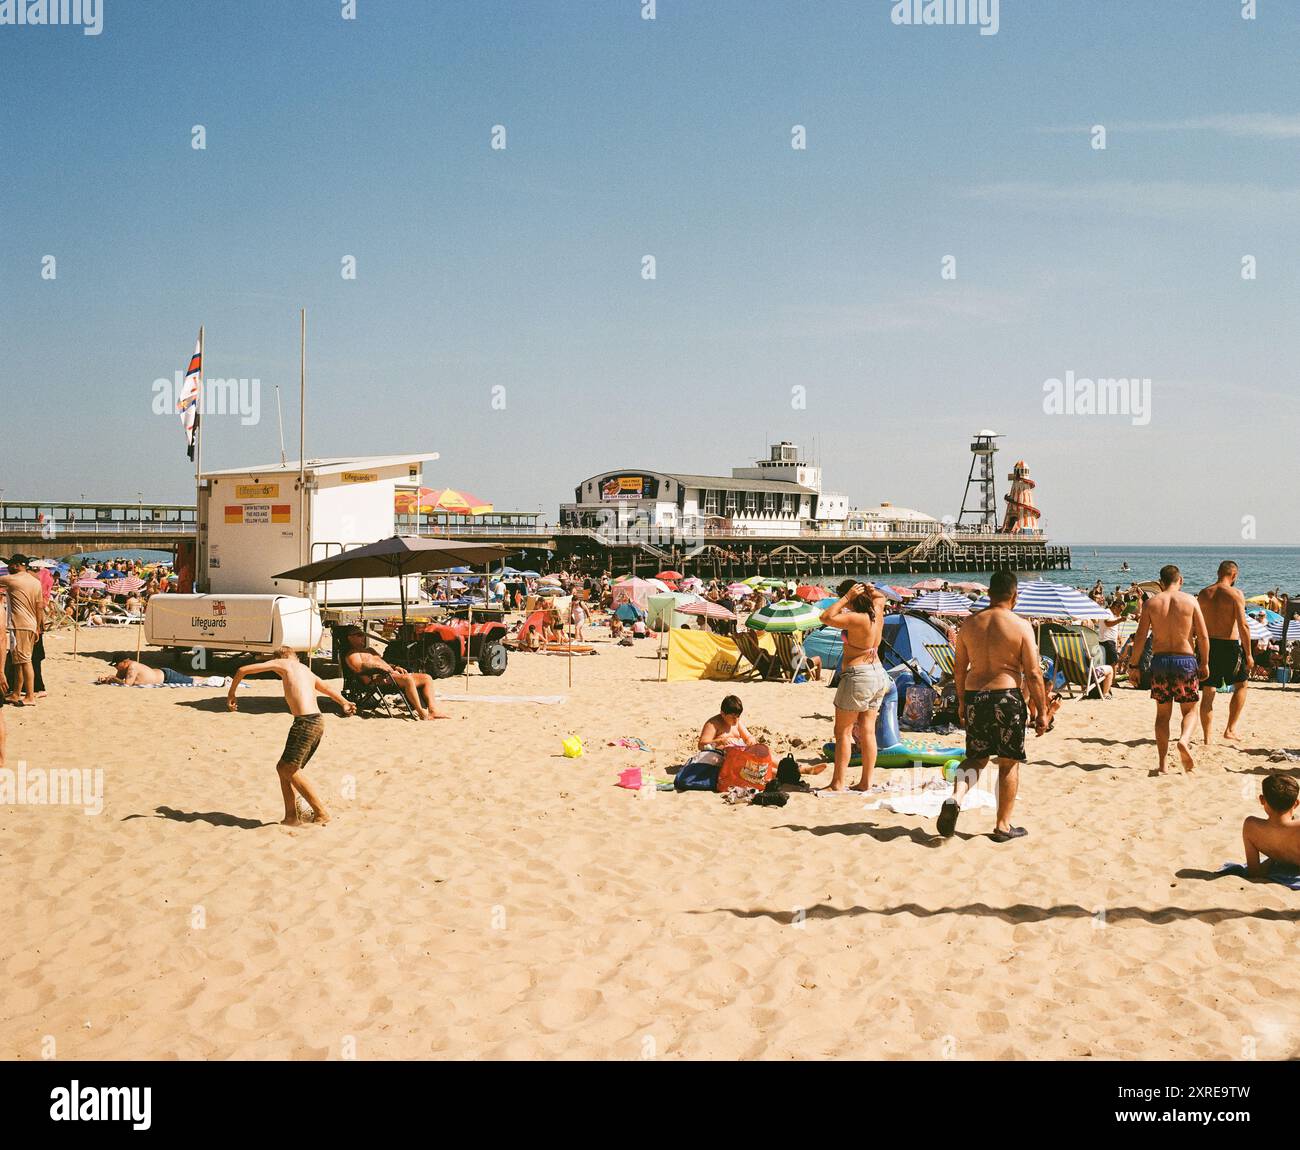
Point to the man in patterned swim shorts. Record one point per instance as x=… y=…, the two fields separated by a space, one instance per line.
x=1174 y=619
x=995 y=654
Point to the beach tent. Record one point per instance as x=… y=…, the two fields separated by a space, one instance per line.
x=904 y=639
x=827 y=643
x=661 y=610
x=629 y=612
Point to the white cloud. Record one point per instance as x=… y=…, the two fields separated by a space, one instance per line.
x=1145 y=198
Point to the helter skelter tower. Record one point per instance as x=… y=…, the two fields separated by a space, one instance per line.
x=1022 y=514
x=980 y=503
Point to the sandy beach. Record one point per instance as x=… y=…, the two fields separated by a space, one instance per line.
x=477 y=895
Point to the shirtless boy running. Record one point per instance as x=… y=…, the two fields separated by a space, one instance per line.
x=1173 y=619
x=301 y=686
x=995 y=655
x=1224 y=608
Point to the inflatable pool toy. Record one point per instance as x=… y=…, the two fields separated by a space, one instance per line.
x=573 y=747
x=904 y=755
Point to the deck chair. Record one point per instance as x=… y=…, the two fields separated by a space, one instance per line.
x=761 y=661
x=789 y=665
x=1076 y=663
x=375 y=693
x=944 y=656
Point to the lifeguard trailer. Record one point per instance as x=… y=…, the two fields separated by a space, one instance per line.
x=256 y=521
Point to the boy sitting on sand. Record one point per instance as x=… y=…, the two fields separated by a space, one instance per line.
x=725 y=728
x=301 y=686
x=1278 y=835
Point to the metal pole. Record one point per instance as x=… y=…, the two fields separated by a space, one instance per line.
x=302 y=436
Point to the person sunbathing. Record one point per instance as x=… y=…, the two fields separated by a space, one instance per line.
x=1276 y=836
x=132 y=673
x=366 y=665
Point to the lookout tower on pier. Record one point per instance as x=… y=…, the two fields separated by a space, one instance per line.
x=979 y=505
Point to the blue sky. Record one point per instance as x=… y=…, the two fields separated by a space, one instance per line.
x=521 y=268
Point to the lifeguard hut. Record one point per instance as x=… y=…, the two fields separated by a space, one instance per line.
x=256 y=521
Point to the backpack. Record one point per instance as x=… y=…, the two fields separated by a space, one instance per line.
x=700 y=774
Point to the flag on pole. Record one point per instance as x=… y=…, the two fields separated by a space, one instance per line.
x=191 y=398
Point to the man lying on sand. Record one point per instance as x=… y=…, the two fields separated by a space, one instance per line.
x=131 y=673
x=1176 y=673
x=995 y=654
x=301 y=686
x=1278 y=835
x=364 y=663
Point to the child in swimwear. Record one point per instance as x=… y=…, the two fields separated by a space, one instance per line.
x=1276 y=836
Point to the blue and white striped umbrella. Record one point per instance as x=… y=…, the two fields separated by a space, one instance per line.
x=1275 y=630
x=1043 y=599
x=1259 y=631
x=941 y=603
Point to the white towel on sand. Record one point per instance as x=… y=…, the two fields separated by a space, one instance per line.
x=548 y=700
x=926 y=803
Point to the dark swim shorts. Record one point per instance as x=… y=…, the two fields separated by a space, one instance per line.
x=304 y=738
x=995 y=724
x=1227 y=665
x=1175 y=679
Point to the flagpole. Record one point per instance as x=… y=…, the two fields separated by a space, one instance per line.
x=198 y=459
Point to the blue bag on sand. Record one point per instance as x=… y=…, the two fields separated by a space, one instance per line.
x=700 y=774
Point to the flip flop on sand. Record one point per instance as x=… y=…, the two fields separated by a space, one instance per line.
x=948 y=817
x=1007 y=836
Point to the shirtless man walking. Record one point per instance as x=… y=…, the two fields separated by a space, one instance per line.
x=1224 y=608
x=860 y=614
x=364 y=662
x=301 y=686
x=27 y=617
x=1173 y=619
x=995 y=655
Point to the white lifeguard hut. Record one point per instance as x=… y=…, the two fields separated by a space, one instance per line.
x=256 y=521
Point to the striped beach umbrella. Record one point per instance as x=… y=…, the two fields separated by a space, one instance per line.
x=941 y=603
x=1259 y=631
x=1043 y=599
x=928 y=585
x=1275 y=630
x=706 y=608
x=90 y=584
x=787 y=615
x=124 y=586
x=738 y=590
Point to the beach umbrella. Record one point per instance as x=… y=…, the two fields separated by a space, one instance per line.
x=810 y=593
x=978 y=588
x=124 y=586
x=929 y=585
x=691 y=583
x=706 y=609
x=737 y=590
x=1261 y=600
x=429 y=500
x=550 y=589
x=1043 y=599
x=941 y=603
x=1259 y=631
x=551 y=579
x=90 y=584
x=753 y=581
x=890 y=592
x=529 y=574
x=1265 y=614
x=785 y=615
x=670 y=576
x=1275 y=630
x=397 y=556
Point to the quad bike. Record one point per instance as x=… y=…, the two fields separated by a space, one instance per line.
x=441 y=649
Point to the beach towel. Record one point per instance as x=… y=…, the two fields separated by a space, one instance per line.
x=631 y=743
x=545 y=700
x=925 y=804
x=1281 y=872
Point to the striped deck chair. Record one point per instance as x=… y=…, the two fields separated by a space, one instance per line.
x=1076 y=663
x=759 y=660
x=944 y=656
